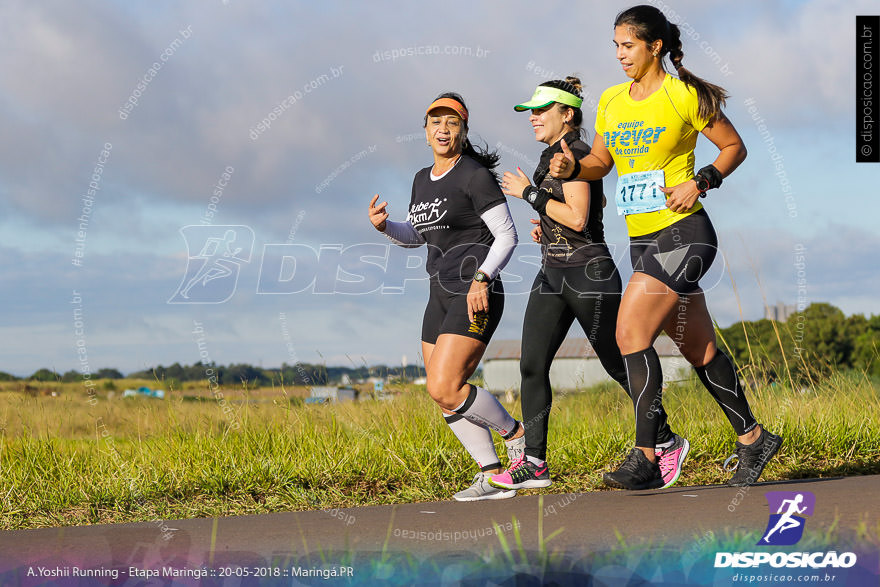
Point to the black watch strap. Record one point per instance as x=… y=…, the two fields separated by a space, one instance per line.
x=712 y=176
x=537 y=198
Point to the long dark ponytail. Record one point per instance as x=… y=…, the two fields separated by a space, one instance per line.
x=483 y=156
x=650 y=24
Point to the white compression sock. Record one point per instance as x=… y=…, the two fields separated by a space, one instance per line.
x=477 y=440
x=483 y=409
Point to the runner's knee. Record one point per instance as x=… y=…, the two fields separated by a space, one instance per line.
x=531 y=366
x=629 y=336
x=444 y=390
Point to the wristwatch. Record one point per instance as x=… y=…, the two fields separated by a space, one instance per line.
x=708 y=178
x=481 y=277
x=702 y=184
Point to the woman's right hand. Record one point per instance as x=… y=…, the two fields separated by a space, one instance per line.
x=378 y=214
x=536 y=232
x=514 y=185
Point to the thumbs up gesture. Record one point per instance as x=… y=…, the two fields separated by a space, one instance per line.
x=562 y=164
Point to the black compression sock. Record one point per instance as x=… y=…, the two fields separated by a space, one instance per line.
x=719 y=377
x=645 y=387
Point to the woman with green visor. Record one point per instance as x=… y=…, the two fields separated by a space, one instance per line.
x=577 y=281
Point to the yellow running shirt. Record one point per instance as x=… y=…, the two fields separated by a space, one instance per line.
x=659 y=132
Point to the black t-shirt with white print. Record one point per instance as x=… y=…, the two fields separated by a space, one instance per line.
x=446 y=212
x=561 y=245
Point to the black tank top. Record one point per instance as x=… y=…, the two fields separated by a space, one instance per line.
x=561 y=245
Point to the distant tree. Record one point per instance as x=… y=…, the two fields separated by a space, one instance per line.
x=755 y=348
x=811 y=343
x=174 y=372
x=145 y=374
x=45 y=375
x=4 y=376
x=199 y=371
x=71 y=376
x=244 y=374
x=107 y=374
x=826 y=342
x=866 y=343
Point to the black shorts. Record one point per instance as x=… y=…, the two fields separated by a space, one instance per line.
x=596 y=278
x=678 y=255
x=447 y=313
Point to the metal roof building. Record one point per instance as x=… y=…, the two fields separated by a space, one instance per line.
x=575 y=365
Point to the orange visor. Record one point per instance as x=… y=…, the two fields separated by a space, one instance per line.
x=449 y=103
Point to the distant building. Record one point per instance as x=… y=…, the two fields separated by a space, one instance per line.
x=575 y=365
x=143 y=392
x=322 y=395
x=780 y=312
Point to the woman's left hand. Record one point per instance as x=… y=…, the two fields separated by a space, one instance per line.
x=513 y=185
x=536 y=232
x=682 y=197
x=477 y=298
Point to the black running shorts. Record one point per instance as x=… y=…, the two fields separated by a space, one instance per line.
x=447 y=313
x=678 y=255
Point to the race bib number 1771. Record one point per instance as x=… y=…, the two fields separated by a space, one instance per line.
x=640 y=192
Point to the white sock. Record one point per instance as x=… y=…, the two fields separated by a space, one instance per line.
x=665 y=445
x=535 y=461
x=477 y=440
x=481 y=408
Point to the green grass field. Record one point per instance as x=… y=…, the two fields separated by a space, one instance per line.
x=64 y=461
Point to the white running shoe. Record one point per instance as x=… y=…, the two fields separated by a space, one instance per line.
x=480 y=490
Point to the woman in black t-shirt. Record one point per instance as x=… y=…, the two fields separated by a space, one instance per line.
x=458 y=210
x=577 y=281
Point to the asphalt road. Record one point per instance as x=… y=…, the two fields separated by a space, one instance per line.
x=586 y=523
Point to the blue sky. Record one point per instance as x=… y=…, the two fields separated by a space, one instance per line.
x=348 y=126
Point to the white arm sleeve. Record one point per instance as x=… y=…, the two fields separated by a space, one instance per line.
x=403 y=234
x=501 y=226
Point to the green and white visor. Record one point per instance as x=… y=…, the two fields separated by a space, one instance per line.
x=545 y=95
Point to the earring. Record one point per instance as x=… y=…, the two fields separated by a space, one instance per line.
x=655 y=54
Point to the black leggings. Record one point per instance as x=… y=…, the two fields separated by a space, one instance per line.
x=591 y=294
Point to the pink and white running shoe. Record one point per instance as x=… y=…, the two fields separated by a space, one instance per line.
x=523 y=474
x=671 y=459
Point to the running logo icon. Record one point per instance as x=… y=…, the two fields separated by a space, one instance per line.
x=786 y=526
x=212 y=274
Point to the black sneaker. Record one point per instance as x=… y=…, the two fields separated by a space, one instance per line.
x=636 y=472
x=752 y=458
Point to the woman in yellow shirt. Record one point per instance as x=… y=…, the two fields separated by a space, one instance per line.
x=648 y=128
